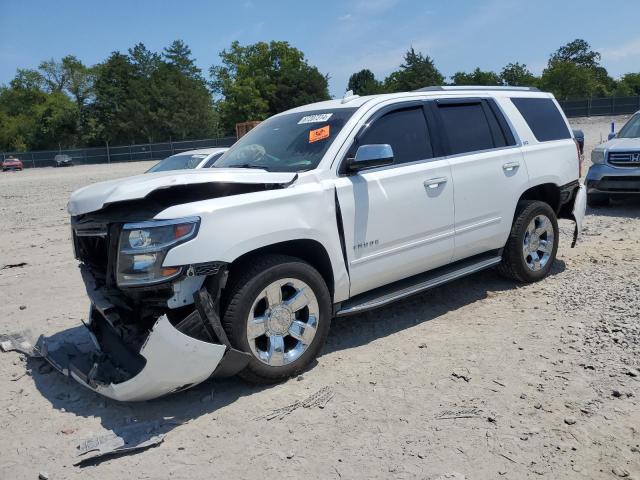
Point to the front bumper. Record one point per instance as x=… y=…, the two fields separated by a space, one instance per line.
x=173 y=361
x=605 y=178
x=172 y=357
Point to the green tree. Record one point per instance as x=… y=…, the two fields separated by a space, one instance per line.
x=574 y=71
x=567 y=80
x=262 y=79
x=364 y=83
x=477 y=77
x=577 y=52
x=518 y=75
x=178 y=54
x=416 y=72
x=629 y=84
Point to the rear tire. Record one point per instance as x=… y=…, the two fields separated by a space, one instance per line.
x=533 y=243
x=595 y=200
x=278 y=309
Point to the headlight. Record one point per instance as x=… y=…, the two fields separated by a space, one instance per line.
x=143 y=247
x=597 y=156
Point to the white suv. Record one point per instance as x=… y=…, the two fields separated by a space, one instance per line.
x=319 y=212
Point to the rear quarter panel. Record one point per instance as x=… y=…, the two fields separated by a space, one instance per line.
x=547 y=162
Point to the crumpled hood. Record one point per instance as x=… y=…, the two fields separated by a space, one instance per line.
x=96 y=196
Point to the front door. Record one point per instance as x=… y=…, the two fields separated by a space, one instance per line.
x=398 y=220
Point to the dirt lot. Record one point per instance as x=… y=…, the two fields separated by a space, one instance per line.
x=477 y=379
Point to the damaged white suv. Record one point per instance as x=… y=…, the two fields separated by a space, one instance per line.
x=322 y=211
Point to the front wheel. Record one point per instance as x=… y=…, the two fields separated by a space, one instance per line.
x=278 y=310
x=533 y=243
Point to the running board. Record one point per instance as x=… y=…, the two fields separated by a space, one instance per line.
x=416 y=284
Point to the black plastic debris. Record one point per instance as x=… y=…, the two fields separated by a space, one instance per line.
x=14 y=265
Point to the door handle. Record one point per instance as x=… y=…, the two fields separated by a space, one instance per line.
x=510 y=166
x=433 y=183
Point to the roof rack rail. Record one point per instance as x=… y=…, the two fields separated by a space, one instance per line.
x=476 y=87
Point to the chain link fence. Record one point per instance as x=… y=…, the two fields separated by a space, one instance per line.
x=116 y=154
x=591 y=107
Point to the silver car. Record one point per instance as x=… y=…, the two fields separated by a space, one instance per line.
x=616 y=165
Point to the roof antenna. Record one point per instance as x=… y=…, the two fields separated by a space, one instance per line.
x=348 y=96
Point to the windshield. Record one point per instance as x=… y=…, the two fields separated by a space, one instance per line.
x=180 y=161
x=631 y=128
x=288 y=143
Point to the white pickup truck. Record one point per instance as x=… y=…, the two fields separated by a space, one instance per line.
x=322 y=211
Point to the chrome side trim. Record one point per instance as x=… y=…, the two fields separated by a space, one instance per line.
x=401 y=248
x=420 y=287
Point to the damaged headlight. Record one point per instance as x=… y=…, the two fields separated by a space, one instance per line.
x=143 y=247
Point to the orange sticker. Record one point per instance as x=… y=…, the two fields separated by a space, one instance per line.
x=319 y=134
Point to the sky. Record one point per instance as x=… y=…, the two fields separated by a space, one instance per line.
x=339 y=37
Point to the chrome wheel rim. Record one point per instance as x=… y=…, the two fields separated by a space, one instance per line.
x=282 y=322
x=537 y=245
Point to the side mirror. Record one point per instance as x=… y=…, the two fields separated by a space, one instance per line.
x=370 y=156
x=611 y=135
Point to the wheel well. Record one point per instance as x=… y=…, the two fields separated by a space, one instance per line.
x=310 y=251
x=547 y=192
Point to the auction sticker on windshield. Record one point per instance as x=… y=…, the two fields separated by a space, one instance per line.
x=321 y=117
x=319 y=134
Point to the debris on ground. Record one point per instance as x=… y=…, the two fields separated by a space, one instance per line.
x=22 y=342
x=131 y=438
x=462 y=373
x=472 y=412
x=14 y=265
x=318 y=399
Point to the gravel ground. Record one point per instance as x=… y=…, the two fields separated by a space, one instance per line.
x=478 y=379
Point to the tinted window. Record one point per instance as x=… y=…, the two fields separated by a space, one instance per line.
x=405 y=130
x=466 y=127
x=543 y=118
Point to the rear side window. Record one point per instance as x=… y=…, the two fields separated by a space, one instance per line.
x=466 y=127
x=543 y=118
x=405 y=130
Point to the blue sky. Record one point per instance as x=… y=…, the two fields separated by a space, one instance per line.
x=340 y=37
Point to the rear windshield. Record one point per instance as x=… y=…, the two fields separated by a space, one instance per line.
x=631 y=128
x=288 y=143
x=178 y=162
x=543 y=117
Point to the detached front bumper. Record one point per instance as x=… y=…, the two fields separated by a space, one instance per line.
x=172 y=360
x=172 y=357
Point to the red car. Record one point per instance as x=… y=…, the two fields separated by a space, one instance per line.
x=12 y=164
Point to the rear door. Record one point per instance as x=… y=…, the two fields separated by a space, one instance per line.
x=397 y=219
x=488 y=171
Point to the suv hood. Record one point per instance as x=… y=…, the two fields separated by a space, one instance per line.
x=618 y=144
x=96 y=196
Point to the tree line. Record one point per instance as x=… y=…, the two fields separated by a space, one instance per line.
x=143 y=96
x=572 y=71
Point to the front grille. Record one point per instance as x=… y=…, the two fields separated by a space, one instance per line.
x=91 y=244
x=625 y=159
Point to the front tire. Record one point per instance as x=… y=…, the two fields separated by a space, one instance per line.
x=278 y=309
x=533 y=243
